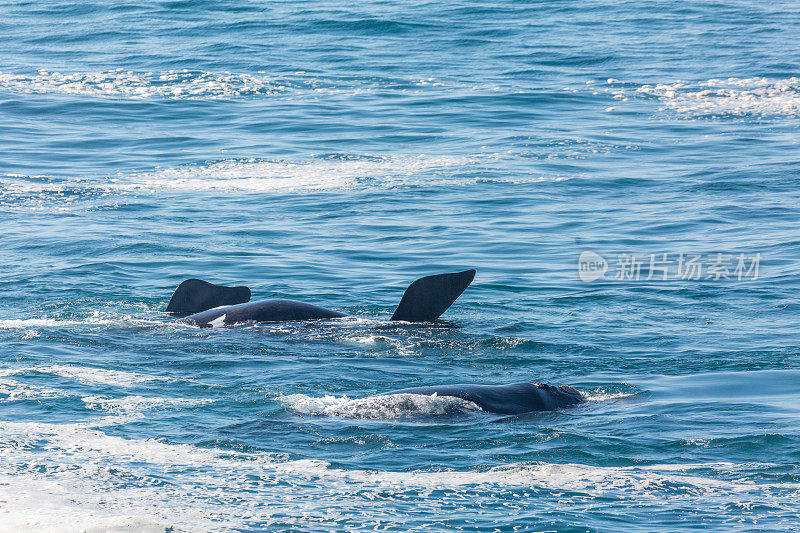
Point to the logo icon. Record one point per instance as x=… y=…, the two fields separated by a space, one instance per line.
x=591 y=266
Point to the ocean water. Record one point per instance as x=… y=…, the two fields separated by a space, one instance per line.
x=333 y=152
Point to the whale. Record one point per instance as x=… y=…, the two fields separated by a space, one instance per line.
x=204 y=304
x=512 y=399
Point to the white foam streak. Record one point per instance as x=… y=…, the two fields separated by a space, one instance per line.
x=327 y=173
x=96 y=318
x=173 y=84
x=252 y=175
x=258 y=175
x=15 y=390
x=188 y=84
x=27 y=323
x=137 y=404
x=95 y=375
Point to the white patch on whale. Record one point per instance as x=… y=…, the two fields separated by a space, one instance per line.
x=218 y=322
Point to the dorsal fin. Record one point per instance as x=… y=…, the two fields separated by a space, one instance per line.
x=195 y=295
x=427 y=298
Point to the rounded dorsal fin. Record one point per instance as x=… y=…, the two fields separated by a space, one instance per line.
x=195 y=295
x=427 y=298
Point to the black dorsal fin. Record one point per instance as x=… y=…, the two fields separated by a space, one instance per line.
x=427 y=298
x=195 y=295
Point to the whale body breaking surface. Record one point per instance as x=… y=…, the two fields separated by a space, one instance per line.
x=513 y=399
x=205 y=304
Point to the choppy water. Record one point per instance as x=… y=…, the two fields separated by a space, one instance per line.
x=335 y=151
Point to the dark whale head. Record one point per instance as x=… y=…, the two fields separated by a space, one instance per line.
x=562 y=395
x=512 y=399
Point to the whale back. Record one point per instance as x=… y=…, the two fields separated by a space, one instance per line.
x=261 y=311
x=427 y=298
x=513 y=399
x=195 y=295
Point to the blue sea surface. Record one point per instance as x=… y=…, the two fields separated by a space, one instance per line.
x=333 y=152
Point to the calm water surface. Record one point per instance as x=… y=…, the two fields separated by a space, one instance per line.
x=335 y=151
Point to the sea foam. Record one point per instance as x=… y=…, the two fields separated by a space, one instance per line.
x=384 y=407
x=64 y=476
x=755 y=96
x=173 y=84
